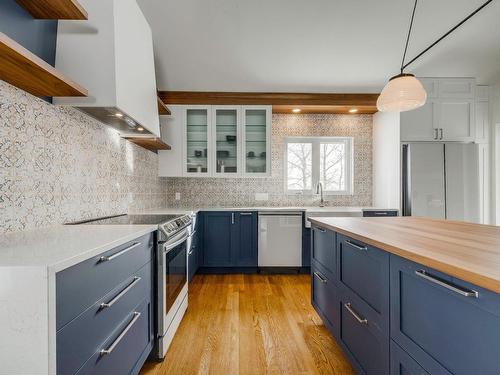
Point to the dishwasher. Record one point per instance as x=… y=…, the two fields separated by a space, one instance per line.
x=280 y=239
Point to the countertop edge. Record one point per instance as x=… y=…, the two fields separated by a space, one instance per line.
x=69 y=262
x=481 y=280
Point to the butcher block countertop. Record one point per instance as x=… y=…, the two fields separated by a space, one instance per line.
x=470 y=252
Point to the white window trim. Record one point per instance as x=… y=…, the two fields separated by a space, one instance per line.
x=316 y=141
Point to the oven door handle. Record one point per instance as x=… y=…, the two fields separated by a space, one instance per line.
x=167 y=247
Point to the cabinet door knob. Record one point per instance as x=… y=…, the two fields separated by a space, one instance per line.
x=441 y=133
x=436 y=134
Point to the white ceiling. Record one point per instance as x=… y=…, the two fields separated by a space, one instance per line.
x=315 y=45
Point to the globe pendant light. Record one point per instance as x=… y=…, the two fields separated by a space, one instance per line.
x=404 y=92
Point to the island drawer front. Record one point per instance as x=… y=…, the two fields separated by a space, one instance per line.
x=403 y=364
x=323 y=249
x=364 y=270
x=362 y=336
x=440 y=322
x=77 y=341
x=323 y=296
x=80 y=286
x=128 y=351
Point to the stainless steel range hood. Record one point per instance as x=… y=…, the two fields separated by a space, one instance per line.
x=111 y=54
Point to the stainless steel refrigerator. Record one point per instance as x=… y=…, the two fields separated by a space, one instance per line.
x=441 y=180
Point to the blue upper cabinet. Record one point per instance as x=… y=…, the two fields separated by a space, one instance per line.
x=38 y=36
x=229 y=239
x=445 y=324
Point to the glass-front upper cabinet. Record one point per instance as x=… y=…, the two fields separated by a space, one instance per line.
x=256 y=140
x=227 y=140
x=197 y=150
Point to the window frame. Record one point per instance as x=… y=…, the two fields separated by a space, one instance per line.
x=316 y=164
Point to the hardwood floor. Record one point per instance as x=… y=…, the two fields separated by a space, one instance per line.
x=251 y=324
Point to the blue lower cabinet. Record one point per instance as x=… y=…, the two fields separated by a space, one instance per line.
x=229 y=239
x=119 y=353
x=364 y=270
x=245 y=244
x=362 y=337
x=323 y=250
x=218 y=234
x=447 y=325
x=403 y=364
x=94 y=326
x=324 y=298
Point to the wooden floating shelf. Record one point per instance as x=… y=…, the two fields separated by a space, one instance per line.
x=162 y=108
x=25 y=70
x=54 y=9
x=150 y=143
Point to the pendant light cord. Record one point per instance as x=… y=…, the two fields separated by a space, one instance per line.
x=408 y=36
x=404 y=66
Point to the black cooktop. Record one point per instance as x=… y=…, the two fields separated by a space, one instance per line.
x=129 y=219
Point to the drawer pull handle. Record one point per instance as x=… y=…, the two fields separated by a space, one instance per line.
x=246 y=214
x=355 y=314
x=320 y=277
x=433 y=279
x=116 y=255
x=119 y=338
x=121 y=294
x=362 y=248
x=381 y=213
x=321 y=230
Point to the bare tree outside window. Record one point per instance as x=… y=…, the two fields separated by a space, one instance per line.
x=310 y=160
x=299 y=166
x=332 y=166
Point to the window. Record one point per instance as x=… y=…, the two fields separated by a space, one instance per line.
x=312 y=159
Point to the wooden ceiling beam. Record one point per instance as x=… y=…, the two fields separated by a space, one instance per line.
x=262 y=98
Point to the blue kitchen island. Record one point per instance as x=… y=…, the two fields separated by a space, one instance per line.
x=409 y=295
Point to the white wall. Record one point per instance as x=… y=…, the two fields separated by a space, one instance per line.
x=495 y=154
x=386 y=160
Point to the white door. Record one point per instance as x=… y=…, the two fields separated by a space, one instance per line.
x=226 y=140
x=197 y=150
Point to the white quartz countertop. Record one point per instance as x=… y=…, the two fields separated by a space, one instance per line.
x=63 y=246
x=260 y=209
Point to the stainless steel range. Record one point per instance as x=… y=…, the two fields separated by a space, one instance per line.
x=171 y=269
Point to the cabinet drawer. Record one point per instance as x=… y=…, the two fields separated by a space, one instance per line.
x=441 y=321
x=323 y=248
x=132 y=337
x=77 y=341
x=324 y=297
x=403 y=364
x=362 y=336
x=80 y=286
x=365 y=271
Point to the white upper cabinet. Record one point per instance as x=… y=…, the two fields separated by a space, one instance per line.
x=111 y=54
x=448 y=115
x=217 y=141
x=482 y=114
x=418 y=125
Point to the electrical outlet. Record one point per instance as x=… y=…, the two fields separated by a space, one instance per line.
x=177 y=196
x=261 y=196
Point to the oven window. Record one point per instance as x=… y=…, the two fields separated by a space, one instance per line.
x=176 y=277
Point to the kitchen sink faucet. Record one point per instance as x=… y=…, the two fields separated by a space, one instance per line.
x=319 y=190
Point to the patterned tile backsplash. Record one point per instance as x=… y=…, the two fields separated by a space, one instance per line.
x=226 y=192
x=58 y=164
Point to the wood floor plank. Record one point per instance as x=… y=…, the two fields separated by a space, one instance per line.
x=251 y=324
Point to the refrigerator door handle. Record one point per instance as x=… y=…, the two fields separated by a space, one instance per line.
x=406 y=185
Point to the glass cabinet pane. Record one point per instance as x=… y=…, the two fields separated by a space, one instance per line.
x=256 y=141
x=197 y=140
x=226 y=136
